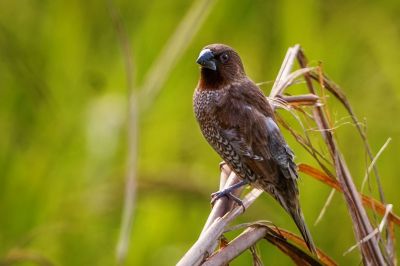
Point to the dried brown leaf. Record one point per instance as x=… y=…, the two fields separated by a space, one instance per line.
x=367 y=201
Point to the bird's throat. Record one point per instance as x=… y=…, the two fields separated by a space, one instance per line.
x=211 y=80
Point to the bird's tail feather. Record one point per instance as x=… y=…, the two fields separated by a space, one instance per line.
x=298 y=218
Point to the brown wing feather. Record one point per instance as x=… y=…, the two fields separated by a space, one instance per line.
x=247 y=120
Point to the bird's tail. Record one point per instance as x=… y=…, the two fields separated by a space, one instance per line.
x=298 y=218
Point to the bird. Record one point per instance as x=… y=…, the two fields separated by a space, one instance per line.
x=238 y=122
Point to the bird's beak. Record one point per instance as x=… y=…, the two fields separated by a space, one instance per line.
x=206 y=59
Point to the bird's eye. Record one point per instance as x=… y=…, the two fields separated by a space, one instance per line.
x=224 y=57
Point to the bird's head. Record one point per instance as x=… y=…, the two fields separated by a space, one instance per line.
x=220 y=65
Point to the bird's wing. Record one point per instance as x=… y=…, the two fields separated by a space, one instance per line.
x=247 y=123
x=280 y=151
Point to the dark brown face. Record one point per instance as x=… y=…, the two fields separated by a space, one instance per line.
x=220 y=65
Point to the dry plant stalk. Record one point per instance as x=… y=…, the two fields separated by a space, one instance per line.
x=369 y=202
x=225 y=211
x=371 y=253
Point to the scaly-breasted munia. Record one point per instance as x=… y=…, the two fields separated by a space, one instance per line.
x=239 y=123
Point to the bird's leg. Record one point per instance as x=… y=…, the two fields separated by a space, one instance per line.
x=227 y=192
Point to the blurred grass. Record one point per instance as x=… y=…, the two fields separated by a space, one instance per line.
x=62 y=141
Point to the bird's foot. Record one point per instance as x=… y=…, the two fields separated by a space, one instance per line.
x=228 y=193
x=225 y=193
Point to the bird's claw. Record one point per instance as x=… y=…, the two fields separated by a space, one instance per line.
x=221 y=165
x=226 y=193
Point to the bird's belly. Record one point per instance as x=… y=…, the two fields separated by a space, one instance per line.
x=210 y=129
x=227 y=153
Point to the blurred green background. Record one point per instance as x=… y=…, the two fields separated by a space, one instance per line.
x=63 y=120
